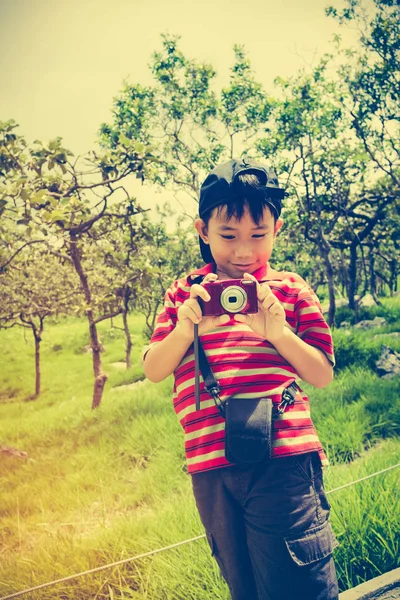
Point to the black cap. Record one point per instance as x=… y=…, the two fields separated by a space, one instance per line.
x=217 y=189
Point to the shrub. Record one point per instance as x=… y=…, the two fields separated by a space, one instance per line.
x=355 y=348
x=390 y=312
x=343 y=432
x=383 y=408
x=344 y=313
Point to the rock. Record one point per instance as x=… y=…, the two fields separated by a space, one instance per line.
x=344 y=325
x=394 y=334
x=367 y=300
x=388 y=365
x=338 y=303
x=88 y=348
x=377 y=322
x=13 y=452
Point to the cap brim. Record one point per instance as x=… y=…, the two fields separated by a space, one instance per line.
x=275 y=209
x=206 y=252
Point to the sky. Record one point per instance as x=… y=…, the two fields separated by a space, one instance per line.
x=62 y=63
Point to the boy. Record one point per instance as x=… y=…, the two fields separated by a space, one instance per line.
x=267 y=524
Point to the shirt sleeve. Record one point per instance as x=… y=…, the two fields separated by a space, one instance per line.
x=311 y=325
x=166 y=320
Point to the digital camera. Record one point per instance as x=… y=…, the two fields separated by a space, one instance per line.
x=230 y=296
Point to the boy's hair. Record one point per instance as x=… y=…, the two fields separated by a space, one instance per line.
x=236 y=185
x=248 y=193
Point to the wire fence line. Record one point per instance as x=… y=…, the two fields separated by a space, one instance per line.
x=165 y=548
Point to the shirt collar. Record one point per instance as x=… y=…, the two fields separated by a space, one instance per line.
x=262 y=272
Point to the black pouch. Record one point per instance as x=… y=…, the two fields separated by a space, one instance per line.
x=248 y=430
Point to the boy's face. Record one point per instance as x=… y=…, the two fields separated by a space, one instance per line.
x=239 y=246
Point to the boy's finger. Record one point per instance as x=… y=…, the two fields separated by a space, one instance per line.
x=243 y=318
x=269 y=301
x=209 y=277
x=250 y=276
x=263 y=291
x=221 y=320
x=277 y=309
x=187 y=312
x=194 y=306
x=198 y=291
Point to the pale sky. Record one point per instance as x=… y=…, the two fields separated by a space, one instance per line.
x=62 y=63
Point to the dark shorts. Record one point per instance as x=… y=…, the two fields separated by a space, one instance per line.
x=268 y=528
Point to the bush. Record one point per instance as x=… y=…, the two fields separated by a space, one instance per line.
x=383 y=408
x=344 y=431
x=389 y=312
x=355 y=349
x=344 y=313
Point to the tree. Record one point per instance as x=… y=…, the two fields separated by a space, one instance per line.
x=189 y=125
x=372 y=77
x=54 y=198
x=330 y=172
x=163 y=258
x=33 y=288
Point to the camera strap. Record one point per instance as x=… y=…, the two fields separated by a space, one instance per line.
x=201 y=364
x=212 y=386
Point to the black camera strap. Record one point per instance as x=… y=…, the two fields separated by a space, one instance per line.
x=201 y=364
x=212 y=386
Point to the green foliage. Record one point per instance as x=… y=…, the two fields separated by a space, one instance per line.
x=355 y=349
x=362 y=516
x=165 y=257
x=390 y=312
x=84 y=497
x=99 y=486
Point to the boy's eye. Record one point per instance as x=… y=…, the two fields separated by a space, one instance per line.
x=232 y=237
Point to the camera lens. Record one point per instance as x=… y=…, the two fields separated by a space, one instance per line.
x=233 y=299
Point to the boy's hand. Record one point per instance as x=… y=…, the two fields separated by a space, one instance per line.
x=190 y=313
x=270 y=320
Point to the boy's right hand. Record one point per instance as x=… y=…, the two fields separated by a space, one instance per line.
x=190 y=313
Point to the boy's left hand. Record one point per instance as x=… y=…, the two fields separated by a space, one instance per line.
x=270 y=320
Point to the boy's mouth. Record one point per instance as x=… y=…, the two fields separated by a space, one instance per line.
x=242 y=267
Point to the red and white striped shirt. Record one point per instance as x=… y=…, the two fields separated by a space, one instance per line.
x=248 y=366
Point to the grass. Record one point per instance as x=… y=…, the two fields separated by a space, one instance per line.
x=99 y=486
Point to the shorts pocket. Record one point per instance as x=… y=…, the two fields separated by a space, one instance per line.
x=211 y=543
x=312 y=545
x=308 y=465
x=216 y=555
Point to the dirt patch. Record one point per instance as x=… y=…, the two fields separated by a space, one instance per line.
x=121 y=366
x=8 y=451
x=129 y=386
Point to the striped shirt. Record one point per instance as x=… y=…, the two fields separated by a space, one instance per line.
x=248 y=366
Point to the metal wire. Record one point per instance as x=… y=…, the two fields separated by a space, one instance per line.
x=152 y=552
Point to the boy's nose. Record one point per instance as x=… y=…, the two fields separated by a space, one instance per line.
x=243 y=252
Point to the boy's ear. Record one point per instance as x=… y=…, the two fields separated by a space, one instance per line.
x=201 y=229
x=278 y=225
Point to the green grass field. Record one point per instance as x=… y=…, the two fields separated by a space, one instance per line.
x=100 y=486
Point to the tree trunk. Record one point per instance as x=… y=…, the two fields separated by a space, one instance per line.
x=325 y=250
x=128 y=347
x=37 y=334
x=100 y=378
x=393 y=276
x=352 y=284
x=372 y=278
x=37 y=364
